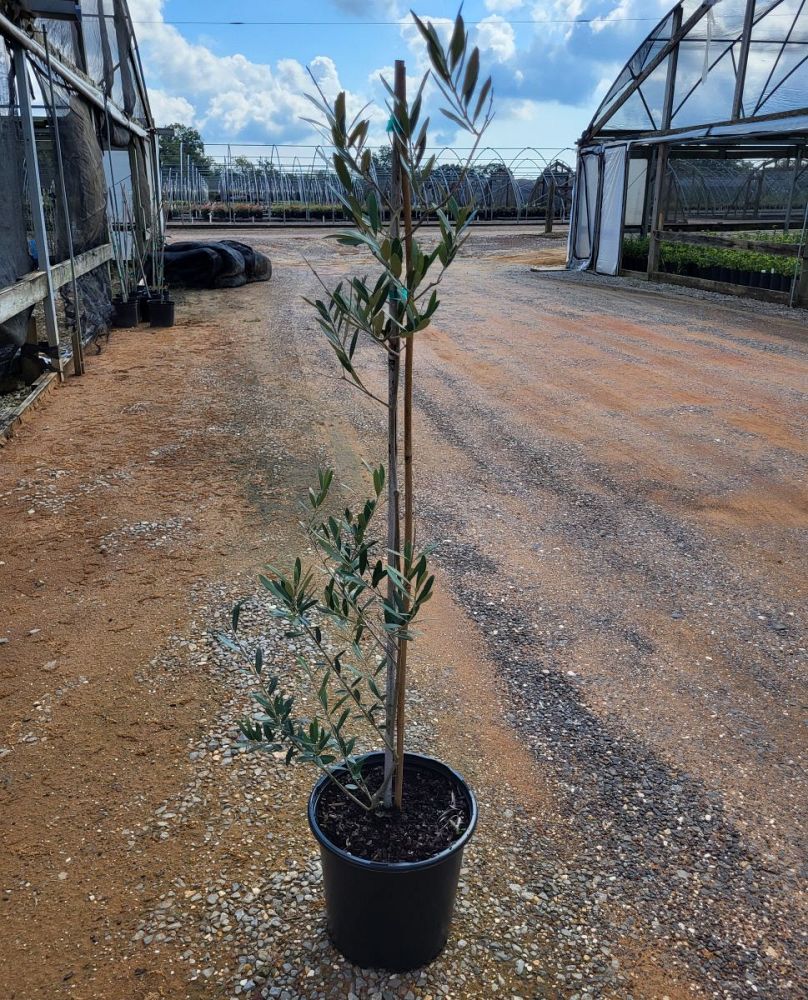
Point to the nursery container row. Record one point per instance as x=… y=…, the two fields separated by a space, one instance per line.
x=727 y=275
x=730 y=266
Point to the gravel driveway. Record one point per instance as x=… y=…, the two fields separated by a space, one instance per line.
x=616 y=660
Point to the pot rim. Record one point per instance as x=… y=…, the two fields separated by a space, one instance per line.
x=395 y=866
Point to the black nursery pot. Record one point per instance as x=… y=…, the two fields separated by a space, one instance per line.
x=161 y=312
x=125 y=314
x=143 y=300
x=392 y=916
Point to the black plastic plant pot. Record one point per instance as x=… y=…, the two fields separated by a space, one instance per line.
x=126 y=314
x=143 y=302
x=161 y=312
x=392 y=916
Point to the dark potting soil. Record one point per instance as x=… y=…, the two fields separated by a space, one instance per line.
x=434 y=814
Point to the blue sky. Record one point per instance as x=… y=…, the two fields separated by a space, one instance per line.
x=244 y=84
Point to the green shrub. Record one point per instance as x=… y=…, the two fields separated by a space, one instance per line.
x=677 y=257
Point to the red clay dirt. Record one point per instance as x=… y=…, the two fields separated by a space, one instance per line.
x=178 y=459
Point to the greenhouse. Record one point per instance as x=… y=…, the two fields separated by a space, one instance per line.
x=79 y=176
x=275 y=185
x=703 y=132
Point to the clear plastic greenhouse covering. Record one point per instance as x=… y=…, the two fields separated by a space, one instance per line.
x=758 y=49
x=712 y=74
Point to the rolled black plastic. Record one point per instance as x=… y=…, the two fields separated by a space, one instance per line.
x=392 y=916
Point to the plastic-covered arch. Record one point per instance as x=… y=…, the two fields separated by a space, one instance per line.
x=714 y=77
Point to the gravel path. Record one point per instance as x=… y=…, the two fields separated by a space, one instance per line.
x=615 y=658
x=630 y=634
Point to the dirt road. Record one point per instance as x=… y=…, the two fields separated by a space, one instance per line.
x=618 y=480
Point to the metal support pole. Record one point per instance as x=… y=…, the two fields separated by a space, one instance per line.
x=794 y=178
x=759 y=194
x=182 y=182
x=157 y=192
x=670 y=78
x=657 y=209
x=548 y=219
x=78 y=346
x=743 y=60
x=229 y=179
x=35 y=199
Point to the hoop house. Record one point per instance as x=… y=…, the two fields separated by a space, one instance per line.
x=705 y=127
x=79 y=172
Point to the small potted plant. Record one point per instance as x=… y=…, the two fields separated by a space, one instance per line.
x=161 y=305
x=391 y=824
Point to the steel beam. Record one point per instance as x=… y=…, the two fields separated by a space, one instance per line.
x=676 y=36
x=76 y=80
x=743 y=59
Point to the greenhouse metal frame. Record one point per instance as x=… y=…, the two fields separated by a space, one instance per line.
x=717 y=88
x=79 y=171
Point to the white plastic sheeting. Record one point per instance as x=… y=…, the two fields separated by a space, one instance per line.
x=597 y=226
x=585 y=209
x=612 y=194
x=635 y=191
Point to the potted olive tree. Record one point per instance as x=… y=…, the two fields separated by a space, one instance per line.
x=391 y=824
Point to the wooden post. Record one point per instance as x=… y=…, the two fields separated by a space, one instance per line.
x=548 y=218
x=799 y=287
x=35 y=199
x=409 y=499
x=393 y=523
x=801 y=284
x=32 y=334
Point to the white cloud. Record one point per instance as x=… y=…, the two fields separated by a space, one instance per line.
x=544 y=125
x=502 y=6
x=167 y=108
x=496 y=36
x=228 y=96
x=563 y=13
x=624 y=15
x=559 y=68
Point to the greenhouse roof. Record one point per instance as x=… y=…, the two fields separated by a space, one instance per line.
x=713 y=70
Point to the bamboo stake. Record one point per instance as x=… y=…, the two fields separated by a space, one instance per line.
x=392 y=763
x=409 y=524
